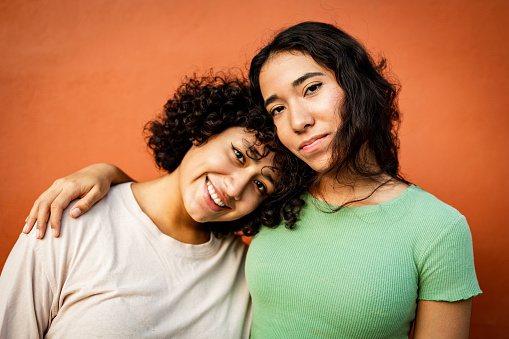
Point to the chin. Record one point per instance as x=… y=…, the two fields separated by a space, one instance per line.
x=319 y=168
x=208 y=219
x=202 y=219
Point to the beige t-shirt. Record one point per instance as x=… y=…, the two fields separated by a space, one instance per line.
x=113 y=274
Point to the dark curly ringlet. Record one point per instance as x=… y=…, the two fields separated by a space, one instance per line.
x=370 y=116
x=205 y=106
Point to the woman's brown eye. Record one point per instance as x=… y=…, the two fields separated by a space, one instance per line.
x=313 y=88
x=239 y=155
x=276 y=110
x=261 y=186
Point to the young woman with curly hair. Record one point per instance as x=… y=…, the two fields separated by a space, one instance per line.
x=371 y=255
x=160 y=258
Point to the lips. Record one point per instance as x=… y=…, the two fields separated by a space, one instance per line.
x=313 y=143
x=214 y=196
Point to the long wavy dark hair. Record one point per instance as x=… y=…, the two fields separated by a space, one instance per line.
x=205 y=106
x=369 y=113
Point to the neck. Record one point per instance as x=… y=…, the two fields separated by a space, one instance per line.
x=161 y=200
x=354 y=190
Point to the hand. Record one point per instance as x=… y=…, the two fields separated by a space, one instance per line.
x=90 y=184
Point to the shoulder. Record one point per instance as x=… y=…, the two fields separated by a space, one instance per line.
x=97 y=223
x=424 y=220
x=234 y=242
x=232 y=247
x=428 y=201
x=440 y=228
x=427 y=209
x=114 y=207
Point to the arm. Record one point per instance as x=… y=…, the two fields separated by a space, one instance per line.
x=27 y=301
x=90 y=184
x=442 y=319
x=447 y=272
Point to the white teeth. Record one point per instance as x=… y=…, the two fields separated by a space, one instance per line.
x=213 y=195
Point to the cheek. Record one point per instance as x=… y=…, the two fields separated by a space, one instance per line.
x=249 y=204
x=283 y=132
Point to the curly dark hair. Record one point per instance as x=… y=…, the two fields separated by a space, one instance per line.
x=205 y=106
x=370 y=116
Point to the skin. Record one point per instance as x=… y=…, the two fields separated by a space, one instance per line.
x=443 y=320
x=240 y=182
x=304 y=98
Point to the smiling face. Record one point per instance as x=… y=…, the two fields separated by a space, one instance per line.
x=219 y=181
x=304 y=99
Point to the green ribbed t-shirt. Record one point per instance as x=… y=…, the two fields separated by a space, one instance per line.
x=359 y=272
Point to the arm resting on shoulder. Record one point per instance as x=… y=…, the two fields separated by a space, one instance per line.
x=90 y=184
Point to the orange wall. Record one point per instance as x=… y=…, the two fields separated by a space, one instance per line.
x=80 y=78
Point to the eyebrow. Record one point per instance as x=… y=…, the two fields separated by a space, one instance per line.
x=271 y=99
x=269 y=177
x=249 y=147
x=306 y=76
x=295 y=83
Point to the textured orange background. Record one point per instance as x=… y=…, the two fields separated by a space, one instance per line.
x=80 y=78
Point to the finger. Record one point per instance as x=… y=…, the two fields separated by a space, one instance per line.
x=85 y=203
x=25 y=227
x=57 y=207
x=49 y=195
x=42 y=220
x=32 y=218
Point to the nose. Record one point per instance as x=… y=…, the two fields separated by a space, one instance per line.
x=300 y=118
x=236 y=183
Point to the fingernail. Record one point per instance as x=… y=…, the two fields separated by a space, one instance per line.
x=37 y=233
x=54 y=233
x=26 y=219
x=25 y=228
x=75 y=212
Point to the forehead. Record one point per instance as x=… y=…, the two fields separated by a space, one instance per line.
x=238 y=134
x=241 y=137
x=290 y=62
x=283 y=69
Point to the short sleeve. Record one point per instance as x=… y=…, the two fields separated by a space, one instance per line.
x=446 y=269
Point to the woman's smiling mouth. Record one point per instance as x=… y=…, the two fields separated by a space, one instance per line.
x=213 y=195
